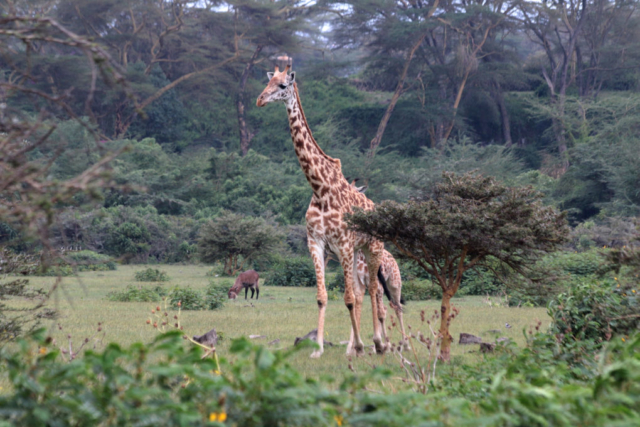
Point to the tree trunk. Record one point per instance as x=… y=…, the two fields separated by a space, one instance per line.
x=445 y=312
x=504 y=114
x=396 y=95
x=245 y=134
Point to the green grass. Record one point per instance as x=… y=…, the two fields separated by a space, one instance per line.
x=280 y=313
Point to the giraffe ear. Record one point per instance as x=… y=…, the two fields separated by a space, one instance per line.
x=270 y=75
x=292 y=77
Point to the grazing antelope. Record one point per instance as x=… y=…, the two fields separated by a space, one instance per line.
x=247 y=280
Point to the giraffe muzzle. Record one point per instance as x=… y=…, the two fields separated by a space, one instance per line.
x=260 y=102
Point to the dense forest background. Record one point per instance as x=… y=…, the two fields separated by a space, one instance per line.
x=534 y=93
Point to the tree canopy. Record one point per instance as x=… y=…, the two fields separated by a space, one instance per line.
x=467 y=221
x=235 y=239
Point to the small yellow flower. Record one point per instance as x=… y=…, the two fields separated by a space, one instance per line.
x=217 y=372
x=338 y=419
x=633 y=290
x=218 y=416
x=623 y=340
x=42 y=350
x=615 y=278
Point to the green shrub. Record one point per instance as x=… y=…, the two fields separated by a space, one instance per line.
x=480 y=281
x=63 y=270
x=151 y=275
x=595 y=309
x=216 y=271
x=337 y=282
x=188 y=298
x=90 y=261
x=158 y=289
x=420 y=290
x=134 y=294
x=294 y=271
x=216 y=295
x=168 y=383
x=579 y=263
x=334 y=294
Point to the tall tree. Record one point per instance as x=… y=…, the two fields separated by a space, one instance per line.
x=469 y=221
x=430 y=49
x=184 y=39
x=270 y=29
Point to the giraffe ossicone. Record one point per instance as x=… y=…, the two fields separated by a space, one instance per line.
x=332 y=198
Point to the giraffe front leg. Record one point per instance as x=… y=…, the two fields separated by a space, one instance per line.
x=347 y=262
x=382 y=313
x=317 y=254
x=359 y=286
x=373 y=256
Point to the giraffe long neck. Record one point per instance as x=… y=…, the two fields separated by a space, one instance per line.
x=320 y=170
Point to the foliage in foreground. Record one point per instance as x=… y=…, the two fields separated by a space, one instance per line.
x=168 y=383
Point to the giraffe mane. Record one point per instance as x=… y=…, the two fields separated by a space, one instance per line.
x=306 y=124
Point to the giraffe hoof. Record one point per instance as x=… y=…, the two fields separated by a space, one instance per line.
x=381 y=348
x=316 y=354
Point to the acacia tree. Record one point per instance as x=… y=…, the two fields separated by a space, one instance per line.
x=466 y=222
x=236 y=239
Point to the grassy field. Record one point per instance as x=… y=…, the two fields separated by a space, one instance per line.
x=280 y=313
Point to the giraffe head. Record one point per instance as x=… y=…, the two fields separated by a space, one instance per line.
x=279 y=88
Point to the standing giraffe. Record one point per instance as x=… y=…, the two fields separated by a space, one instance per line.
x=332 y=198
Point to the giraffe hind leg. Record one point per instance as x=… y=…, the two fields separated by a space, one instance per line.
x=373 y=257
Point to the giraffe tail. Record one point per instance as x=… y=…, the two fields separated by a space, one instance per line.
x=383 y=282
x=384 y=285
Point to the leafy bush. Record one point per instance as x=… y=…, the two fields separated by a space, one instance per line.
x=294 y=271
x=480 y=282
x=151 y=275
x=63 y=270
x=553 y=274
x=337 y=282
x=595 y=309
x=216 y=271
x=579 y=263
x=535 y=386
x=420 y=290
x=91 y=261
x=188 y=298
x=134 y=294
x=216 y=294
